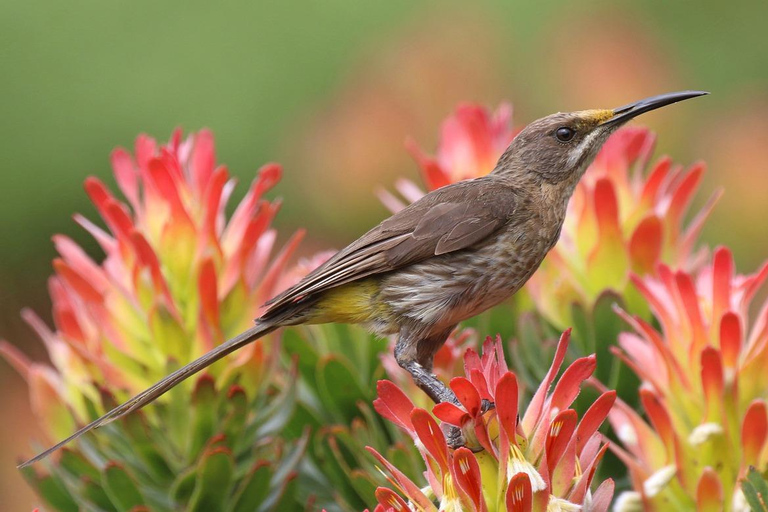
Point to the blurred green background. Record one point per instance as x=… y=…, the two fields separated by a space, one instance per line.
x=331 y=89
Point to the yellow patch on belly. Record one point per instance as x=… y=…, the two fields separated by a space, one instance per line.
x=351 y=303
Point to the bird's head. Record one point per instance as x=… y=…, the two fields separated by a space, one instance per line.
x=557 y=149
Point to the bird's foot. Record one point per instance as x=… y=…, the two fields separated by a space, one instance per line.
x=454 y=437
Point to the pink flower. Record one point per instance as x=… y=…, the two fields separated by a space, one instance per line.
x=177 y=279
x=471 y=141
x=542 y=460
x=704 y=387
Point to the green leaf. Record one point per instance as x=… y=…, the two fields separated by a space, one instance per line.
x=607 y=325
x=204 y=414
x=339 y=388
x=253 y=488
x=145 y=447
x=184 y=485
x=755 y=490
x=94 y=492
x=583 y=333
x=296 y=344
x=283 y=499
x=213 y=482
x=236 y=414
x=75 y=464
x=303 y=418
x=120 y=487
x=51 y=490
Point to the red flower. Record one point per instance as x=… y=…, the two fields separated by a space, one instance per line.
x=546 y=458
x=705 y=387
x=177 y=278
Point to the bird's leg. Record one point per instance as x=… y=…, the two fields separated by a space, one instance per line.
x=415 y=355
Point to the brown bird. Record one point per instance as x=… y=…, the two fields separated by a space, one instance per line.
x=452 y=254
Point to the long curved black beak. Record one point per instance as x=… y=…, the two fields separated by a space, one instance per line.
x=627 y=112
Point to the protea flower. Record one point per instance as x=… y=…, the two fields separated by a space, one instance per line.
x=177 y=279
x=539 y=459
x=471 y=140
x=705 y=389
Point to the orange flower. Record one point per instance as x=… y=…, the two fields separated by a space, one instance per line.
x=540 y=459
x=705 y=388
x=177 y=279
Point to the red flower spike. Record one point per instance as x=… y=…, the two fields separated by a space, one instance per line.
x=203 y=160
x=98 y=193
x=593 y=418
x=582 y=485
x=547 y=461
x=466 y=471
x=450 y=413
x=507 y=395
x=690 y=302
x=432 y=174
x=607 y=209
x=602 y=497
x=559 y=435
x=722 y=274
x=660 y=421
x=431 y=436
x=569 y=385
x=519 y=495
x=467 y=395
x=390 y=500
x=168 y=189
x=709 y=492
x=537 y=402
x=209 y=296
x=478 y=380
x=394 y=405
x=81 y=262
x=148 y=258
x=168 y=231
x=712 y=382
x=684 y=193
x=655 y=179
x=730 y=339
x=645 y=245
x=78 y=283
x=212 y=201
x=404 y=483
x=754 y=433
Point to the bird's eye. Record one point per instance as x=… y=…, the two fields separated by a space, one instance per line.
x=564 y=134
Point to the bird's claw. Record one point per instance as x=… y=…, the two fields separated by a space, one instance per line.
x=454 y=437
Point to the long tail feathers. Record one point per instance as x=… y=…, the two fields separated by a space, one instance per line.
x=151 y=394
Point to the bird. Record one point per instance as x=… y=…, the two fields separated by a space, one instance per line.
x=456 y=252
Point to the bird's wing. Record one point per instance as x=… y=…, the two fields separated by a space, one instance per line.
x=446 y=220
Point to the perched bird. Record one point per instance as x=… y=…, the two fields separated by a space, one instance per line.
x=452 y=254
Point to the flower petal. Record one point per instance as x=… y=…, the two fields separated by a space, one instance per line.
x=754 y=432
x=394 y=405
x=431 y=437
x=519 y=496
x=467 y=395
x=467 y=476
x=709 y=492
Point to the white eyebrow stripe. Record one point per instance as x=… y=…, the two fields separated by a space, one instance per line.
x=578 y=150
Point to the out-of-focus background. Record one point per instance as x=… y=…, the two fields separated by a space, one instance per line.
x=331 y=90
